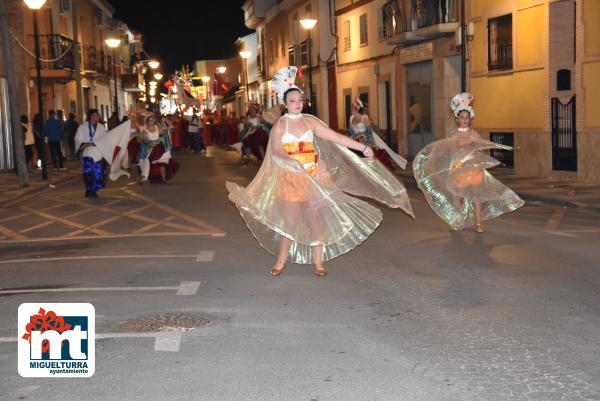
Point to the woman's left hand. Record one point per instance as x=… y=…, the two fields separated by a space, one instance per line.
x=368 y=152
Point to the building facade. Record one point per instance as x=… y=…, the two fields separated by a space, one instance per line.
x=535 y=70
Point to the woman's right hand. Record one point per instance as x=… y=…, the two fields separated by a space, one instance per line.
x=368 y=152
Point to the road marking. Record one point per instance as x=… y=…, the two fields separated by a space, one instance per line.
x=164 y=341
x=205 y=256
x=81 y=237
x=203 y=225
x=554 y=220
x=188 y=288
x=92 y=257
x=184 y=288
x=168 y=341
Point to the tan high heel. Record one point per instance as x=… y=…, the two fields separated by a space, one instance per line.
x=320 y=270
x=479 y=227
x=275 y=271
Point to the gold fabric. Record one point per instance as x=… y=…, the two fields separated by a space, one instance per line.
x=314 y=208
x=452 y=173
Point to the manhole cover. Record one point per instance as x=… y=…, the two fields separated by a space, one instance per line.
x=163 y=323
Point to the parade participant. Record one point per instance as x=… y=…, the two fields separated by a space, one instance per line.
x=156 y=163
x=360 y=129
x=452 y=173
x=298 y=205
x=253 y=135
x=100 y=149
x=193 y=135
x=178 y=136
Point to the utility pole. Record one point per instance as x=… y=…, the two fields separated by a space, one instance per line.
x=463 y=42
x=17 y=132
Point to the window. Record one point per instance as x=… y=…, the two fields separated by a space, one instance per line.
x=282 y=44
x=364 y=98
x=506 y=157
x=347 y=44
x=364 y=37
x=304 y=53
x=270 y=52
x=98 y=17
x=383 y=25
x=347 y=107
x=275 y=46
x=500 y=43
x=563 y=80
x=65 y=6
x=292 y=55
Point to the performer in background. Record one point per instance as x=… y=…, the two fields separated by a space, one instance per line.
x=452 y=173
x=156 y=163
x=99 y=149
x=298 y=205
x=360 y=129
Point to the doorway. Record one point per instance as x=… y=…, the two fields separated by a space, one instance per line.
x=419 y=79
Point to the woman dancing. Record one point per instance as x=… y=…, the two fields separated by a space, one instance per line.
x=298 y=206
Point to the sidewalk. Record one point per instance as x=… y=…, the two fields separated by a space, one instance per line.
x=11 y=192
x=572 y=194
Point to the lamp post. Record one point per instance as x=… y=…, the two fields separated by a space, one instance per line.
x=113 y=43
x=245 y=56
x=35 y=5
x=309 y=24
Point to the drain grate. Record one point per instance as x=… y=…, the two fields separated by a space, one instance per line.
x=163 y=323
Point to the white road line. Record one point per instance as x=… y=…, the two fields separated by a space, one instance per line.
x=205 y=256
x=185 y=288
x=168 y=341
x=554 y=220
x=164 y=341
x=188 y=288
x=145 y=256
x=81 y=237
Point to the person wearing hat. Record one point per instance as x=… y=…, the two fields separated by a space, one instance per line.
x=298 y=206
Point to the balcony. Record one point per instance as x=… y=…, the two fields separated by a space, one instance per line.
x=411 y=21
x=56 y=51
x=94 y=61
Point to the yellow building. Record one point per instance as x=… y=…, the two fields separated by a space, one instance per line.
x=365 y=64
x=535 y=89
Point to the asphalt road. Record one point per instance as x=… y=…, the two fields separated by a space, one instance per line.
x=417 y=312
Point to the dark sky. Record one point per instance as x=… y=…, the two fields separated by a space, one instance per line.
x=178 y=32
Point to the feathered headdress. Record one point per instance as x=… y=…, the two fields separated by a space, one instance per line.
x=283 y=80
x=462 y=102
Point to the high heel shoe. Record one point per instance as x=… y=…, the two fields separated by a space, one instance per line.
x=479 y=227
x=275 y=271
x=320 y=271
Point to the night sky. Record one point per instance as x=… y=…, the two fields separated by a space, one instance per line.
x=178 y=32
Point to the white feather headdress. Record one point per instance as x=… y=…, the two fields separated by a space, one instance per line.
x=462 y=102
x=283 y=80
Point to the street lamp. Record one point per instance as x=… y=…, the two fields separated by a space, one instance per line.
x=309 y=24
x=35 y=5
x=158 y=76
x=113 y=43
x=221 y=70
x=245 y=54
x=153 y=64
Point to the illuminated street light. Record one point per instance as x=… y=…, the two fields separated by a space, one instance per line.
x=245 y=54
x=35 y=4
x=221 y=70
x=158 y=76
x=113 y=43
x=308 y=23
x=153 y=64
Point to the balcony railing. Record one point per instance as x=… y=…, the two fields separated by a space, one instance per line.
x=51 y=48
x=400 y=16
